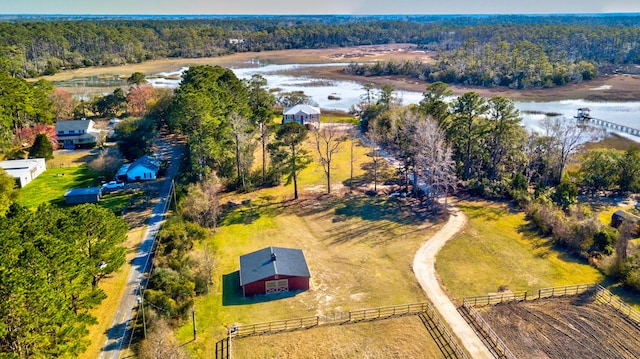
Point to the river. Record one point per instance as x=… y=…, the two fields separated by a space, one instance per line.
x=348 y=93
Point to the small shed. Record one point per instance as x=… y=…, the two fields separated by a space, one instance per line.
x=302 y=114
x=273 y=270
x=82 y=195
x=144 y=168
x=620 y=216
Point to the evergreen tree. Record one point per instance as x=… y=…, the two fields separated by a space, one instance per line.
x=41 y=147
x=287 y=153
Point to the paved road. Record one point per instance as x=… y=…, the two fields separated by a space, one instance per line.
x=424 y=268
x=119 y=333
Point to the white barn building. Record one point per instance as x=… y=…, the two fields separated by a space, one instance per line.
x=24 y=171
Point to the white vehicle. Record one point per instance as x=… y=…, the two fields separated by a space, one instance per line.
x=113 y=185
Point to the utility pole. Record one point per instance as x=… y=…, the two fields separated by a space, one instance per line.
x=193 y=316
x=144 y=322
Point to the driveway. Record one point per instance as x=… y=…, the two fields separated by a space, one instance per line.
x=425 y=271
x=119 y=333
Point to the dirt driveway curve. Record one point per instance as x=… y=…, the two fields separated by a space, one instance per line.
x=425 y=271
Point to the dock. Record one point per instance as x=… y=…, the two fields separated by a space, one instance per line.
x=584 y=116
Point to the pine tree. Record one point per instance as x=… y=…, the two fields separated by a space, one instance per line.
x=41 y=148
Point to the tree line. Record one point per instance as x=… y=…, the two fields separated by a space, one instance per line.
x=32 y=48
x=520 y=66
x=480 y=146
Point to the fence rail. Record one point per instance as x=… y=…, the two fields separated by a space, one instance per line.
x=452 y=347
x=275 y=326
x=603 y=295
x=501 y=348
x=497 y=298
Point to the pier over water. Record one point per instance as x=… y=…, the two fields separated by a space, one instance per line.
x=585 y=116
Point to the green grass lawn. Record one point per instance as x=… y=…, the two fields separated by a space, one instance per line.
x=356 y=261
x=359 y=250
x=499 y=248
x=51 y=185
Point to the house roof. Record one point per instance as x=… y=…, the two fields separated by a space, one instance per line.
x=73 y=125
x=82 y=191
x=145 y=161
x=260 y=265
x=21 y=164
x=309 y=110
x=621 y=214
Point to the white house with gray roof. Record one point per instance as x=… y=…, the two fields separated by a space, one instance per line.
x=77 y=133
x=302 y=114
x=144 y=168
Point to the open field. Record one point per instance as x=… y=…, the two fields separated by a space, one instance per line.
x=359 y=250
x=403 y=337
x=499 y=249
x=568 y=327
x=51 y=185
x=605 y=88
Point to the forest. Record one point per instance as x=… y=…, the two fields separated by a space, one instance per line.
x=40 y=46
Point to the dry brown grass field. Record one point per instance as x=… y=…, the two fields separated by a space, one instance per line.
x=403 y=337
x=568 y=327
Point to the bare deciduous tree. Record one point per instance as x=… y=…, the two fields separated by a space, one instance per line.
x=433 y=158
x=202 y=203
x=569 y=136
x=328 y=140
x=161 y=343
x=242 y=138
x=373 y=136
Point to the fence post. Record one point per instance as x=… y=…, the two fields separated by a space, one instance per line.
x=539 y=293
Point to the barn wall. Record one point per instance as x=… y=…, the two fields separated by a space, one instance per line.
x=295 y=283
x=298 y=283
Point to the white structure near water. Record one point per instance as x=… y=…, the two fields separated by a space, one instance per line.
x=24 y=171
x=302 y=114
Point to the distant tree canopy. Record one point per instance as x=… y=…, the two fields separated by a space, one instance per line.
x=33 y=48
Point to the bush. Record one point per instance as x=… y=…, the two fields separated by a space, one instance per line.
x=488 y=189
x=605 y=240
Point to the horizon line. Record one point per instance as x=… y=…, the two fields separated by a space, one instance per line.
x=326 y=14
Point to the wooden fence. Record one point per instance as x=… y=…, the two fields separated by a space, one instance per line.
x=496 y=298
x=500 y=348
x=446 y=340
x=275 y=326
x=603 y=295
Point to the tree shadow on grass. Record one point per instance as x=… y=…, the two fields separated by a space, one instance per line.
x=248 y=212
x=232 y=292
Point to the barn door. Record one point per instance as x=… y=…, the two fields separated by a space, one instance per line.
x=277 y=286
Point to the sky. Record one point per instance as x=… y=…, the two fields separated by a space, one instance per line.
x=349 y=7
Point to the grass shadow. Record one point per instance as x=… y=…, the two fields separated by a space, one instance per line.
x=232 y=292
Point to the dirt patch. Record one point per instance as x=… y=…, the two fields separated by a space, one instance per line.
x=568 y=327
